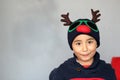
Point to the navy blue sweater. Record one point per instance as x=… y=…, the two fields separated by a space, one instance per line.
x=71 y=70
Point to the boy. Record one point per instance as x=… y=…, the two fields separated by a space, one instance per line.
x=83 y=39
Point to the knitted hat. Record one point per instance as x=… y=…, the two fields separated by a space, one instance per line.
x=82 y=26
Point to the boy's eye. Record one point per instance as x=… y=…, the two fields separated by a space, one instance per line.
x=90 y=42
x=78 y=43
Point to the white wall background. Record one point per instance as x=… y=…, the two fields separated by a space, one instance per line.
x=33 y=41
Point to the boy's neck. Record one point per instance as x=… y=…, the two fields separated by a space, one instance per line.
x=84 y=64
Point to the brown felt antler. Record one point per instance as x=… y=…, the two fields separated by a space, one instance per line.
x=95 y=15
x=66 y=19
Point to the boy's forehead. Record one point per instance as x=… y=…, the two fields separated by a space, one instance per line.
x=84 y=36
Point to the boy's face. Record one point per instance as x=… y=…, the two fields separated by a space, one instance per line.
x=84 y=47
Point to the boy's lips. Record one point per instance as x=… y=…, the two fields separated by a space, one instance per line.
x=85 y=54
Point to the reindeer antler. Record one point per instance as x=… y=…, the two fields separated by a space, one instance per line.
x=95 y=15
x=66 y=19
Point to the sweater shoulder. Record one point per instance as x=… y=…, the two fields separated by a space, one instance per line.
x=56 y=73
x=106 y=65
x=67 y=62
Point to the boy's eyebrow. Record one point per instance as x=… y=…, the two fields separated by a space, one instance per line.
x=87 y=39
x=91 y=39
x=77 y=40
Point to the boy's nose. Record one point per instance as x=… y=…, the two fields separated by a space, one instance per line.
x=84 y=47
